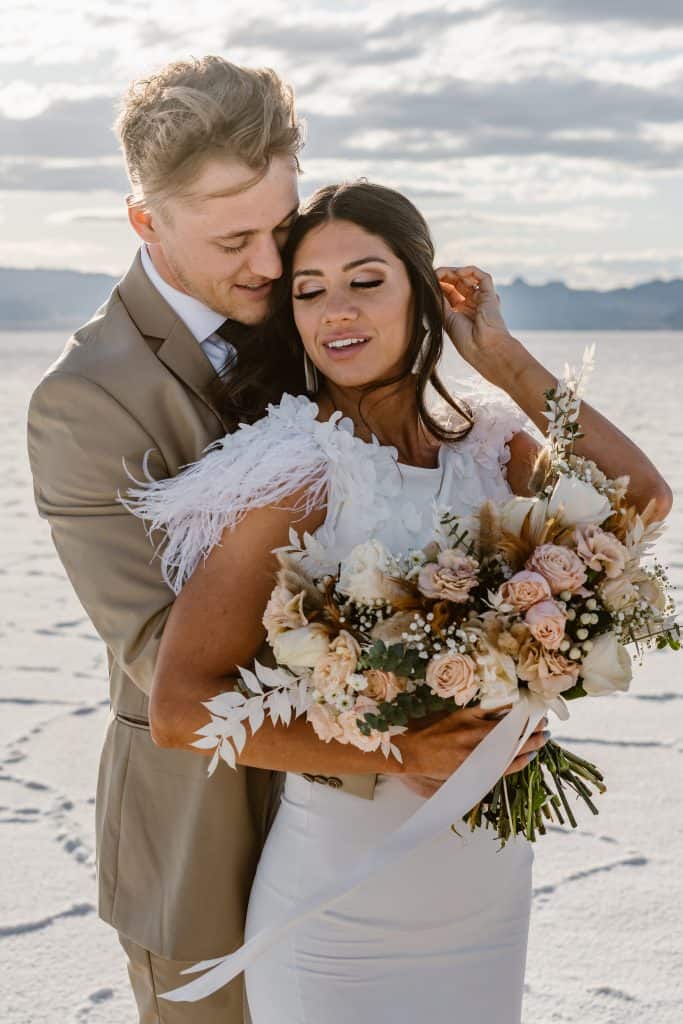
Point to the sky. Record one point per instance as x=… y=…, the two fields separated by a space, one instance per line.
x=542 y=139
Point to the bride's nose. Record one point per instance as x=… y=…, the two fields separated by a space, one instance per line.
x=339 y=309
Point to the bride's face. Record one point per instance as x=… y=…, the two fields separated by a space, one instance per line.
x=352 y=304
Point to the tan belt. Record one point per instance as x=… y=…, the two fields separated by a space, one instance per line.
x=358 y=785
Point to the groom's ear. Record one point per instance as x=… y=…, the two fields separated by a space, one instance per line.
x=141 y=220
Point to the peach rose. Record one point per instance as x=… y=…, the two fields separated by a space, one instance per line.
x=333 y=669
x=524 y=589
x=284 y=611
x=382 y=685
x=325 y=725
x=453 y=675
x=450 y=578
x=547 y=672
x=601 y=551
x=561 y=567
x=546 y=622
x=348 y=722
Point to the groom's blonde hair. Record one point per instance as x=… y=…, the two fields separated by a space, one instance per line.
x=170 y=123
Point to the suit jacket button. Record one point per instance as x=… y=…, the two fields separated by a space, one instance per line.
x=334 y=782
x=308 y=777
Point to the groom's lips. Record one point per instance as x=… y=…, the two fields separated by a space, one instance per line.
x=257 y=292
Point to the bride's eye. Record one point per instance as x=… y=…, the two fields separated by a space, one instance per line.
x=367 y=284
x=308 y=295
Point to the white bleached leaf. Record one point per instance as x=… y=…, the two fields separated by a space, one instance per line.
x=250 y=680
x=213 y=763
x=227 y=753
x=396 y=752
x=206 y=742
x=256 y=716
x=238 y=736
x=224 y=703
x=273 y=677
x=279 y=707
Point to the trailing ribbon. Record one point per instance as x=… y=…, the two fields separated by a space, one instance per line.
x=459 y=794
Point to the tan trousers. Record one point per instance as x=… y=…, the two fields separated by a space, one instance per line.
x=150 y=974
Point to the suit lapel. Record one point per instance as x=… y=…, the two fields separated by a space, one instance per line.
x=179 y=350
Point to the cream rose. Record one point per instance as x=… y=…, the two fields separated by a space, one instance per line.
x=382 y=685
x=546 y=622
x=497 y=677
x=601 y=551
x=348 y=722
x=332 y=670
x=450 y=578
x=453 y=675
x=514 y=514
x=651 y=589
x=284 y=611
x=364 y=574
x=606 y=667
x=303 y=647
x=577 y=503
x=546 y=672
x=524 y=589
x=324 y=724
x=560 y=566
x=617 y=594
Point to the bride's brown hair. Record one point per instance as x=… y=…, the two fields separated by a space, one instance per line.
x=390 y=216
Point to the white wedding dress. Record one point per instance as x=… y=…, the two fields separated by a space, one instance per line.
x=439 y=937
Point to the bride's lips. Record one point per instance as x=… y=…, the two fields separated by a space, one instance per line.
x=345 y=346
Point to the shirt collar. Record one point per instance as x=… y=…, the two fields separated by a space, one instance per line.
x=201 y=321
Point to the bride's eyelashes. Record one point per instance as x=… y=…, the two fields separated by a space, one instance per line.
x=355 y=284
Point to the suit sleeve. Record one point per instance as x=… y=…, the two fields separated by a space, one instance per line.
x=78 y=437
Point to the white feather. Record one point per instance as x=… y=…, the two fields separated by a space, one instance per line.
x=260 y=464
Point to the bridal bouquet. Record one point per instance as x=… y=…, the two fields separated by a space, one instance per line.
x=542 y=593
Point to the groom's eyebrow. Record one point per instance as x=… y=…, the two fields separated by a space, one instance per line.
x=347 y=266
x=246 y=232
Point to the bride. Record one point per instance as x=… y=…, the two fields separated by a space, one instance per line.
x=440 y=936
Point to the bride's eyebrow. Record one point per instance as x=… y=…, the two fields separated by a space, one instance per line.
x=347 y=266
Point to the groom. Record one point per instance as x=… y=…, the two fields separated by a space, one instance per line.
x=211 y=151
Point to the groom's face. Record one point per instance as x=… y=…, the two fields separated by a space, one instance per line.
x=221 y=244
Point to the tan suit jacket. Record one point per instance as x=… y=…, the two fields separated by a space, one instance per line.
x=176 y=850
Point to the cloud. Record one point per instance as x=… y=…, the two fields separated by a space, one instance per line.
x=67 y=128
x=567 y=116
x=655 y=14
x=62 y=176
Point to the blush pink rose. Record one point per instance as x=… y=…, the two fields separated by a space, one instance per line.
x=524 y=589
x=450 y=578
x=546 y=622
x=348 y=722
x=601 y=551
x=453 y=675
x=333 y=669
x=284 y=611
x=546 y=672
x=560 y=566
x=324 y=724
x=382 y=685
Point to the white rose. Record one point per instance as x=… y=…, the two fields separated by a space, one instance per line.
x=579 y=502
x=364 y=571
x=606 y=667
x=303 y=647
x=515 y=511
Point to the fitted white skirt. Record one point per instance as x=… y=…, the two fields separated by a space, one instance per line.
x=438 y=938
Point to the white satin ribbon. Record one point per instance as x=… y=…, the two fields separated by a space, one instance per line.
x=459 y=794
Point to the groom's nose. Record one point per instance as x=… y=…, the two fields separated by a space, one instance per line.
x=264 y=257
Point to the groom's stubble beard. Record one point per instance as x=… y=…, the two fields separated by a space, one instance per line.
x=219 y=295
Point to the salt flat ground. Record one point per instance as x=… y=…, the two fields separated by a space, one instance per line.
x=606 y=943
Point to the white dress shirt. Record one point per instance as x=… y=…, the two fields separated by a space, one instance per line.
x=200 y=321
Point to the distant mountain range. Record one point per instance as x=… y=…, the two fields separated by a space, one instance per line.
x=62 y=299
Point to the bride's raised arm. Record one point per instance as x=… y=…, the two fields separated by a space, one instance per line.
x=476 y=326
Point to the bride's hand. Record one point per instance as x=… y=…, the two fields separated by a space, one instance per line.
x=472 y=315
